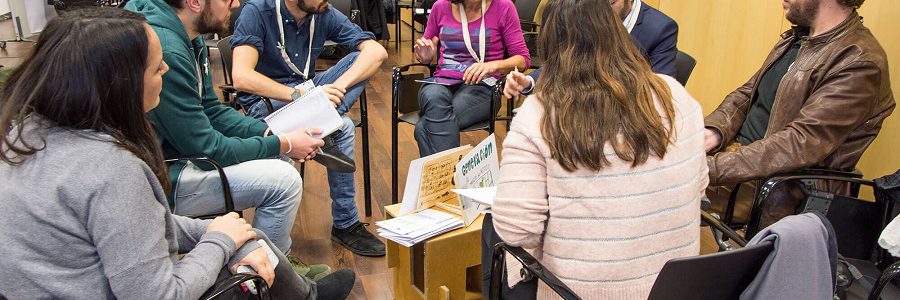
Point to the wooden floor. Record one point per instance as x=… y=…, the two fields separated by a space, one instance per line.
x=311 y=232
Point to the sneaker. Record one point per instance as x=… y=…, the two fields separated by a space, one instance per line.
x=358 y=240
x=332 y=158
x=336 y=286
x=313 y=272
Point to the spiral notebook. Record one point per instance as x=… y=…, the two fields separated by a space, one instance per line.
x=312 y=111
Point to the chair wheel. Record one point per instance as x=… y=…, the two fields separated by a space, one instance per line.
x=2 y=45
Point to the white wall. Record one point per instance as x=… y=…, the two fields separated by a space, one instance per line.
x=4 y=6
x=33 y=14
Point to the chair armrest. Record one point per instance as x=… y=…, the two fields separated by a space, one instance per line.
x=769 y=185
x=405 y=68
x=714 y=222
x=397 y=76
x=228 y=88
x=234 y=281
x=530 y=268
x=226 y=188
x=884 y=279
x=817 y=171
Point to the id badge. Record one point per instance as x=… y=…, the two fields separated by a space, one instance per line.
x=491 y=81
x=306 y=86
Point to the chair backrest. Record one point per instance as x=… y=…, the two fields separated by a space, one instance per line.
x=856 y=222
x=527 y=9
x=684 y=65
x=721 y=275
x=347 y=8
x=224 y=46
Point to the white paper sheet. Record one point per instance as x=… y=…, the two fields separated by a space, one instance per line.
x=481 y=195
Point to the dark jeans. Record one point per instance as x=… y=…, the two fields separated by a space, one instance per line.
x=341 y=185
x=446 y=110
x=288 y=285
x=489 y=238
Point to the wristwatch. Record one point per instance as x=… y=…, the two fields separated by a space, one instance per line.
x=296 y=95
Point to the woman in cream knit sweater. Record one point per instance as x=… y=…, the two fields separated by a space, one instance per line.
x=603 y=169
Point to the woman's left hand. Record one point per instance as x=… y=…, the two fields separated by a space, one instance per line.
x=478 y=71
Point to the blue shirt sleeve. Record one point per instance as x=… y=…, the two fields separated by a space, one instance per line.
x=342 y=31
x=249 y=29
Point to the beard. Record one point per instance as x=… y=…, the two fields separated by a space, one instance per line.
x=323 y=7
x=626 y=9
x=802 y=13
x=207 y=23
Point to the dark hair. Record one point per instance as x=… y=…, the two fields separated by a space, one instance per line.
x=175 y=4
x=602 y=89
x=851 y=3
x=86 y=72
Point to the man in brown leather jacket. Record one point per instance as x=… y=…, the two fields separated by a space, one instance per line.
x=818 y=101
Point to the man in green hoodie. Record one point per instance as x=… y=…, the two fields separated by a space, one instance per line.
x=190 y=122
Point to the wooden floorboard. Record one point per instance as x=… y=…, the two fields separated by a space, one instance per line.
x=311 y=231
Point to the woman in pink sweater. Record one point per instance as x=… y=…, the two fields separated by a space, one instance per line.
x=603 y=169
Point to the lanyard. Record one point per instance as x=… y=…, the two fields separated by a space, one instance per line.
x=284 y=54
x=465 y=30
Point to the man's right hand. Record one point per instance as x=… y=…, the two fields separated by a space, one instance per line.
x=334 y=93
x=711 y=139
x=234 y=227
x=303 y=146
x=516 y=82
x=424 y=50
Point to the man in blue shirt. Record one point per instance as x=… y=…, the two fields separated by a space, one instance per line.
x=655 y=33
x=276 y=43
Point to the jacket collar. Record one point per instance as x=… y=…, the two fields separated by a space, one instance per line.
x=640 y=16
x=851 y=22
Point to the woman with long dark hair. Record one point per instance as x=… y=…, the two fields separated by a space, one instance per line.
x=603 y=168
x=83 y=181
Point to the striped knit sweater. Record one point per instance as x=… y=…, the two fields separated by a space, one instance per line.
x=605 y=234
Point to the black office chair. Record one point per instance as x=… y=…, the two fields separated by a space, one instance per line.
x=707 y=277
x=729 y=218
x=857 y=224
x=230 y=94
x=405 y=110
x=684 y=66
x=527 y=10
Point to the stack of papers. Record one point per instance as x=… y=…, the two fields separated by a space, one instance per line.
x=413 y=228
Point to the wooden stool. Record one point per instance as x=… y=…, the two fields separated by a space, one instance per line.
x=437 y=268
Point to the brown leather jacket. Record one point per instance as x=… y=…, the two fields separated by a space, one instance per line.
x=828 y=108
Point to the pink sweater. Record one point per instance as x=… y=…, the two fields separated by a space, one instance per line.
x=605 y=234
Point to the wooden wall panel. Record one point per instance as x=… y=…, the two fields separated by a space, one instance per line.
x=729 y=39
x=883 y=157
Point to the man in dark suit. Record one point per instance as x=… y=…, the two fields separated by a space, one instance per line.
x=654 y=32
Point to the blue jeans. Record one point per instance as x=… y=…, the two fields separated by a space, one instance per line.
x=446 y=110
x=272 y=186
x=341 y=185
